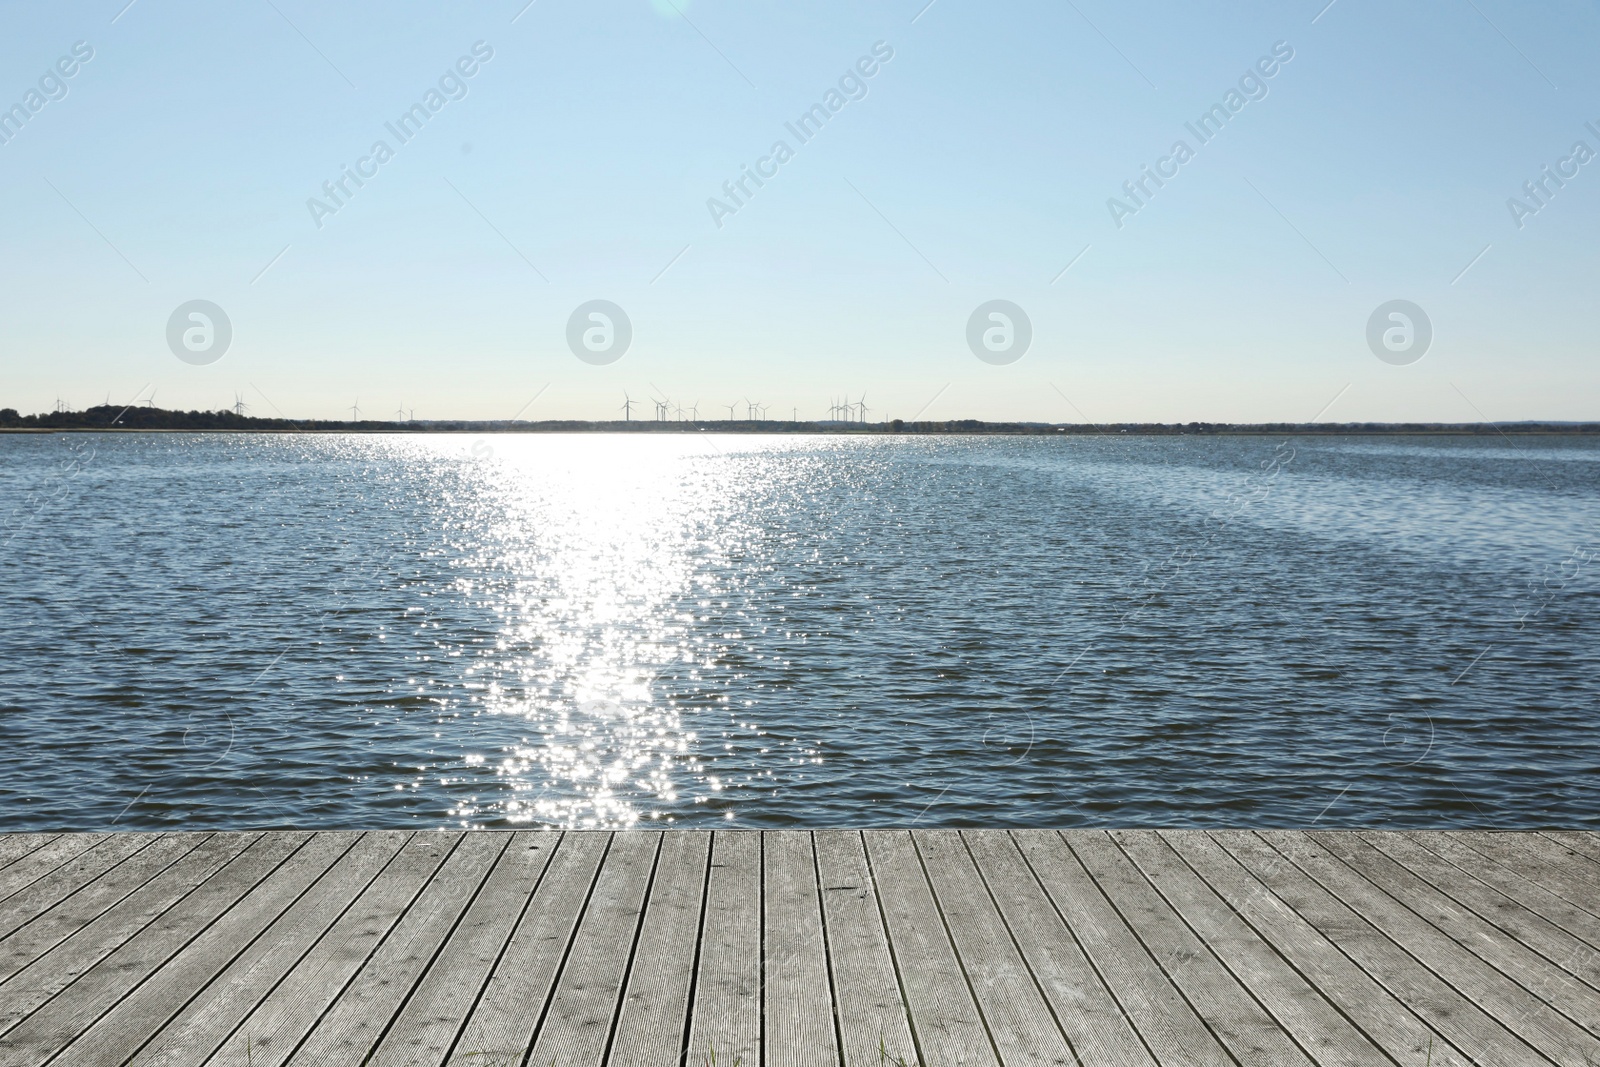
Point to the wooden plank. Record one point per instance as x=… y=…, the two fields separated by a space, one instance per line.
x=945 y=1023
x=650 y=1031
x=15 y=846
x=228 y=908
x=582 y=1012
x=55 y=970
x=137 y=1017
x=977 y=947
x=194 y=1032
x=1524 y=876
x=1315 y=1025
x=1089 y=1016
x=726 y=1026
x=798 y=994
x=1242 y=1025
x=1575 y=843
x=26 y=870
x=40 y=896
x=1384 y=1019
x=1549 y=863
x=502 y=1025
x=1020 y=1022
x=59 y=922
x=425 y=1030
x=1435 y=1001
x=278 y=1024
x=353 y=1026
x=867 y=1004
x=1171 y=1029
x=1508 y=955
x=1519 y=1010
x=1520 y=916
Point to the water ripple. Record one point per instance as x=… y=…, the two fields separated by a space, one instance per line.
x=588 y=630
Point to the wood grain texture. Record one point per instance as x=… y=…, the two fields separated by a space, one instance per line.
x=1534 y=881
x=655 y=1007
x=425 y=1030
x=578 y=1025
x=284 y=1017
x=227 y=909
x=1572 y=843
x=945 y=1022
x=1546 y=863
x=229 y=999
x=71 y=914
x=1021 y=1025
x=1517 y=1009
x=1240 y=1023
x=1379 y=1014
x=356 y=1022
x=1526 y=970
x=503 y=1024
x=1028 y=948
x=120 y=1033
x=1168 y=1024
x=39 y=862
x=1438 y=1004
x=1089 y=1015
x=870 y=1012
x=799 y=997
x=1314 y=1023
x=1495 y=915
x=14 y=846
x=143 y=910
x=72 y=877
x=726 y=1027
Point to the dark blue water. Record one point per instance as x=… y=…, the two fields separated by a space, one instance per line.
x=217 y=631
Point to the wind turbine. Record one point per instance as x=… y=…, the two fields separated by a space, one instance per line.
x=627 y=407
x=730 y=408
x=694 y=412
x=239 y=406
x=150 y=401
x=862 y=405
x=355 y=410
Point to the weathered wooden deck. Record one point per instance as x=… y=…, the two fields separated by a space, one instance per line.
x=827 y=947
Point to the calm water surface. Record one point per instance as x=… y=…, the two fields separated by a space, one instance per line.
x=215 y=631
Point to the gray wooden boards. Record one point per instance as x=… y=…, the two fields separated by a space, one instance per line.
x=799 y=948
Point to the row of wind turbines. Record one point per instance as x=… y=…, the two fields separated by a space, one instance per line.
x=401 y=414
x=839 y=410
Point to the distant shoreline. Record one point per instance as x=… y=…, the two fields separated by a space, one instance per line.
x=112 y=419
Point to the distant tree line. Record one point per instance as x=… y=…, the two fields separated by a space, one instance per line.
x=110 y=417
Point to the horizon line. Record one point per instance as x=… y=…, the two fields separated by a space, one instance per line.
x=134 y=419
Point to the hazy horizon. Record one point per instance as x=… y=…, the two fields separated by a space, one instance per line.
x=644 y=414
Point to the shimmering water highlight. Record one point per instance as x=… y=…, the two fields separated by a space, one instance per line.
x=610 y=630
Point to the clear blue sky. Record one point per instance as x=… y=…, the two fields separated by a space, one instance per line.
x=976 y=167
